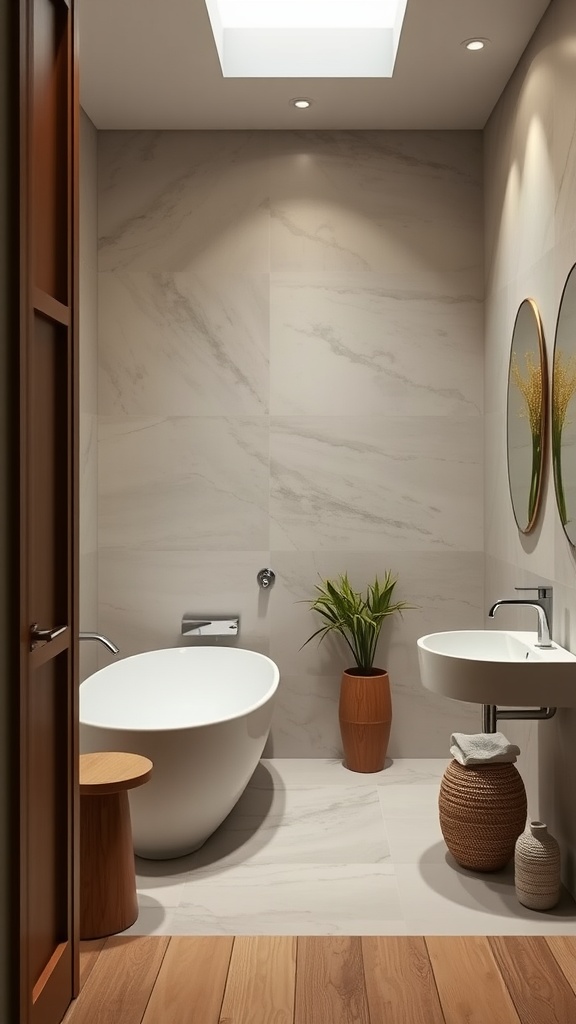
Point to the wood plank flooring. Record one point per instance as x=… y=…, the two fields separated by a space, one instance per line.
x=327 y=980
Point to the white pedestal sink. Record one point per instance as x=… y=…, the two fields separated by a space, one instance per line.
x=493 y=666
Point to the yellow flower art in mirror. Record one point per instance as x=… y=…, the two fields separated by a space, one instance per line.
x=563 y=392
x=530 y=387
x=526 y=414
x=563 y=409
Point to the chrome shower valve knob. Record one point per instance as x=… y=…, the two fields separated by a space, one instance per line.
x=266 y=578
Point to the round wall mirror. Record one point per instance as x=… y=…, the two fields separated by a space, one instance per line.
x=564 y=408
x=526 y=414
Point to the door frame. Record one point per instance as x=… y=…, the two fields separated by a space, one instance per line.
x=24 y=95
x=9 y=853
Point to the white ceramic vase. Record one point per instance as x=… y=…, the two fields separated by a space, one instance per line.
x=537 y=868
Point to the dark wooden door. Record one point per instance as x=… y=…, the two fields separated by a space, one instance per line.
x=48 y=511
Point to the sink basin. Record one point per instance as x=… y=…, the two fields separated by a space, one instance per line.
x=493 y=666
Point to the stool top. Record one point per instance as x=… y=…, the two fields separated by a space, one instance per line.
x=111 y=771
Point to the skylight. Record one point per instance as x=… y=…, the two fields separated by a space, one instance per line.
x=306 y=38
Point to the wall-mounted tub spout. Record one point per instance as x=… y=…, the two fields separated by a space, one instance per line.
x=198 y=625
x=101 y=640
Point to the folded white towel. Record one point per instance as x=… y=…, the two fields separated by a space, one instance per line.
x=482 y=748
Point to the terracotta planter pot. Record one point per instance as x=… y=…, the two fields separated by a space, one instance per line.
x=365 y=713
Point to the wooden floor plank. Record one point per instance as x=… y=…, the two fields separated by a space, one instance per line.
x=89 y=953
x=261 y=981
x=470 y=986
x=538 y=987
x=327 y=980
x=190 y=983
x=120 y=982
x=330 y=981
x=563 y=948
x=400 y=984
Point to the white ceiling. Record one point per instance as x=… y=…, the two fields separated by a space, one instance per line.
x=153 y=64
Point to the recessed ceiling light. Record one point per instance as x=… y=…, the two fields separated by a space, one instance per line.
x=301 y=102
x=475 y=44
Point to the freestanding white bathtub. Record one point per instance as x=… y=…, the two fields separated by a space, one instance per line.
x=202 y=714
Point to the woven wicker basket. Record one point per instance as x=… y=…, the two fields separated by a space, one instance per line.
x=482 y=812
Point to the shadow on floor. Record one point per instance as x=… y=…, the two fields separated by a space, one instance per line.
x=492 y=891
x=243 y=824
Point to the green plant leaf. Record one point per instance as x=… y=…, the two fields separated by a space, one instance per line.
x=357 y=618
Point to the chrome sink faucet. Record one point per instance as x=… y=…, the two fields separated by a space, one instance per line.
x=543 y=606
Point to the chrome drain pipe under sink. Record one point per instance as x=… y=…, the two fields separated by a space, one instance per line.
x=491 y=713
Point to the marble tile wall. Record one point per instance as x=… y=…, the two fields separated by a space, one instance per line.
x=530 y=160
x=88 y=355
x=290 y=374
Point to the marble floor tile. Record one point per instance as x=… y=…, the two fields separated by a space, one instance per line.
x=285 y=899
x=151 y=921
x=412 y=840
x=307 y=772
x=489 y=924
x=319 y=825
x=312 y=848
x=445 y=899
x=416 y=800
x=154 y=889
x=412 y=771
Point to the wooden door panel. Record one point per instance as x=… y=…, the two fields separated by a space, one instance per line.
x=48 y=832
x=48 y=440
x=50 y=41
x=51 y=993
x=48 y=510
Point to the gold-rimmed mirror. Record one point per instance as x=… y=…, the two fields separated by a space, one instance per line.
x=564 y=408
x=526 y=414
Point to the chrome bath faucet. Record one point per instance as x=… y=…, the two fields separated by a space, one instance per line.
x=101 y=640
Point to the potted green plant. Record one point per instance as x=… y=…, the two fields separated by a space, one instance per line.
x=365 y=707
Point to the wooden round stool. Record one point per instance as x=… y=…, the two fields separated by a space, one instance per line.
x=108 y=901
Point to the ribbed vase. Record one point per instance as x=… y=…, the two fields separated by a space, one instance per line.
x=537 y=868
x=482 y=813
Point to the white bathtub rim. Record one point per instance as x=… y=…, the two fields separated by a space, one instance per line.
x=243 y=713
